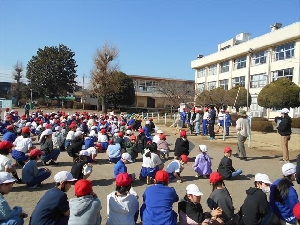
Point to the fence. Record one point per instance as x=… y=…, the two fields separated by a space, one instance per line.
x=159 y=118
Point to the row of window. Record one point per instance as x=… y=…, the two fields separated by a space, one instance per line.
x=281 y=52
x=256 y=80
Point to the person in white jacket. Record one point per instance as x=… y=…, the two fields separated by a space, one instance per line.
x=85 y=208
x=122 y=204
x=58 y=138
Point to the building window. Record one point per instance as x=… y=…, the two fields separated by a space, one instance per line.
x=238 y=81
x=283 y=73
x=224 y=67
x=211 y=85
x=212 y=70
x=285 y=51
x=259 y=58
x=254 y=105
x=200 y=87
x=224 y=84
x=258 y=80
x=201 y=72
x=240 y=63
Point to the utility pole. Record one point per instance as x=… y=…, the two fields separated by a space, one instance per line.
x=82 y=91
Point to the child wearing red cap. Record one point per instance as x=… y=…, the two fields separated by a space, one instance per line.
x=131 y=147
x=85 y=208
x=122 y=204
x=175 y=168
x=141 y=141
x=5 y=162
x=158 y=200
x=225 y=167
x=182 y=145
x=220 y=197
x=163 y=147
x=103 y=139
x=31 y=175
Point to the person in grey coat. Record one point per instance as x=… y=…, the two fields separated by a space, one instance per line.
x=85 y=208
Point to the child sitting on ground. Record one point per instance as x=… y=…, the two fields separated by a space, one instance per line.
x=31 y=175
x=202 y=165
x=175 y=168
x=5 y=162
x=131 y=147
x=225 y=167
x=163 y=147
x=91 y=152
x=120 y=165
x=191 y=212
x=81 y=168
x=9 y=216
x=220 y=197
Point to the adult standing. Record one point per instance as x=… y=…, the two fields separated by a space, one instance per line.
x=191 y=118
x=243 y=129
x=27 y=108
x=211 y=120
x=182 y=118
x=285 y=130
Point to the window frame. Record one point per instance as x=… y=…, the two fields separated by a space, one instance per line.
x=212 y=70
x=280 y=51
x=224 y=67
x=259 y=58
x=238 y=83
x=287 y=72
x=260 y=82
x=201 y=72
x=240 y=63
x=210 y=87
x=225 y=85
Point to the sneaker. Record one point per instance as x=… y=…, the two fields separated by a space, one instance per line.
x=19 y=181
x=37 y=186
x=148 y=180
x=281 y=160
x=197 y=175
x=44 y=163
x=235 y=155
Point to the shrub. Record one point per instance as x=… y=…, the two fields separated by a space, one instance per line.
x=262 y=126
x=295 y=122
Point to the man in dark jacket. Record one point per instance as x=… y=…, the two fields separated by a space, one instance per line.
x=211 y=120
x=285 y=131
x=191 y=118
x=76 y=145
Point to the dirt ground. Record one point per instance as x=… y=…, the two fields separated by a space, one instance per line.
x=263 y=156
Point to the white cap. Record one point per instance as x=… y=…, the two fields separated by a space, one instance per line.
x=128 y=132
x=63 y=176
x=288 y=169
x=58 y=128
x=262 y=178
x=116 y=130
x=63 y=120
x=84 y=152
x=46 y=132
x=78 y=133
x=147 y=122
x=159 y=132
x=285 y=110
x=192 y=189
x=28 y=124
x=93 y=127
x=127 y=156
x=78 y=129
x=203 y=148
x=6 y=178
x=93 y=133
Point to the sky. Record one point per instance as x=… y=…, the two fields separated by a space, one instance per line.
x=157 y=38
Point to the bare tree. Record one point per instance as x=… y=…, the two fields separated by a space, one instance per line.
x=176 y=92
x=103 y=74
x=16 y=89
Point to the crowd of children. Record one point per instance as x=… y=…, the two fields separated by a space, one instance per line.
x=84 y=135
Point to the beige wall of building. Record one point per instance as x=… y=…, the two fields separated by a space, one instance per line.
x=253 y=63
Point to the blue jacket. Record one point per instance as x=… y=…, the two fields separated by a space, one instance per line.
x=158 y=205
x=212 y=117
x=119 y=168
x=183 y=116
x=6 y=212
x=228 y=119
x=284 y=211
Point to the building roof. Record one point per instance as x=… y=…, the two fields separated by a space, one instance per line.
x=159 y=78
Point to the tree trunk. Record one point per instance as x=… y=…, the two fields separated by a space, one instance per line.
x=104 y=110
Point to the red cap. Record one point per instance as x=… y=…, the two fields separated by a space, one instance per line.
x=25 y=130
x=10 y=127
x=162 y=176
x=35 y=152
x=132 y=137
x=72 y=125
x=162 y=137
x=150 y=119
x=120 y=134
x=184 y=158
x=296 y=210
x=83 y=187
x=193 y=109
x=129 y=127
x=123 y=180
x=141 y=130
x=227 y=149
x=215 y=177
x=182 y=133
x=103 y=131
x=5 y=144
x=48 y=126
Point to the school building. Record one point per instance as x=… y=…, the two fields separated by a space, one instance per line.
x=252 y=63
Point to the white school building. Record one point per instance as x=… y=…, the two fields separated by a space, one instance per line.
x=252 y=63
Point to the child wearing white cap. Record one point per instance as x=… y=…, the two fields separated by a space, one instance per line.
x=53 y=207
x=256 y=208
x=202 y=165
x=283 y=196
x=190 y=209
x=120 y=165
x=8 y=215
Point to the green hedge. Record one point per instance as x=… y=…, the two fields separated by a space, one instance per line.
x=262 y=126
x=295 y=122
